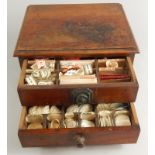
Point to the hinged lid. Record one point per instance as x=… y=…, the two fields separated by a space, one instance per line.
x=84 y=29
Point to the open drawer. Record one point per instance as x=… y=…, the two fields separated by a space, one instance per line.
x=79 y=136
x=101 y=90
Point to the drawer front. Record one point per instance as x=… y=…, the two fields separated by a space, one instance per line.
x=30 y=97
x=58 y=94
x=79 y=136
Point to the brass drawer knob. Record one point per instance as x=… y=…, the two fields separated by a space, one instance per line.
x=80 y=140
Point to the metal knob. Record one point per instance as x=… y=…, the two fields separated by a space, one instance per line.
x=80 y=140
x=82 y=96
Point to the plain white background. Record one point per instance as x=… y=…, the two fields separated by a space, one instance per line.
x=136 y=12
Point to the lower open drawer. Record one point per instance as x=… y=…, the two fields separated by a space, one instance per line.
x=79 y=136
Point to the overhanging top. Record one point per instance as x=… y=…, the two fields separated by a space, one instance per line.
x=51 y=30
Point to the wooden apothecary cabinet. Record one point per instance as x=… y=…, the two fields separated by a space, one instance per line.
x=87 y=32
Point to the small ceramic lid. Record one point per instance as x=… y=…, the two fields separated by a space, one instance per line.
x=75 y=29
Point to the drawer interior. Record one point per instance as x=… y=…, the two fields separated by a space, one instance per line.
x=107 y=134
x=100 y=115
x=121 y=86
x=78 y=72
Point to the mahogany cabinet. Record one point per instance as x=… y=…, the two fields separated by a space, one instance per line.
x=83 y=31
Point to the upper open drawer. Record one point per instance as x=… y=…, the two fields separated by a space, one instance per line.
x=75 y=30
x=82 y=81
